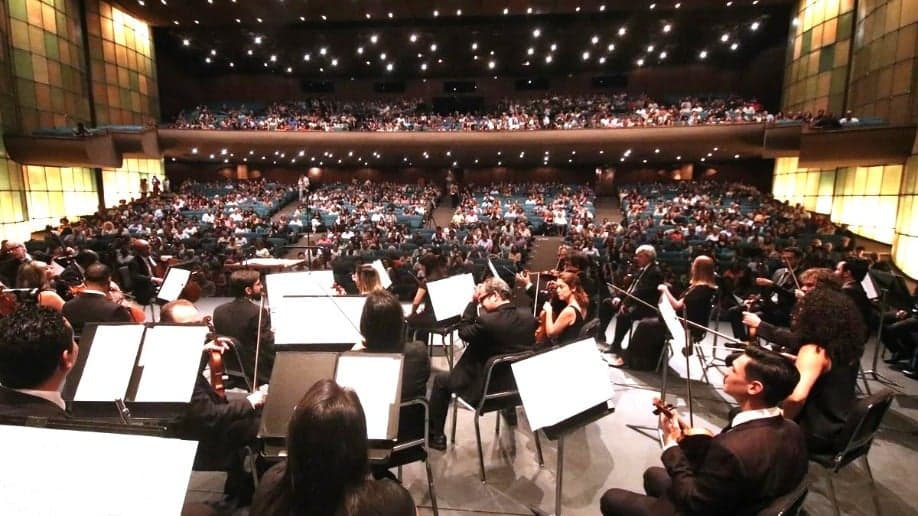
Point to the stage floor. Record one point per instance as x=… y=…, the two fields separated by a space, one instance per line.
x=609 y=453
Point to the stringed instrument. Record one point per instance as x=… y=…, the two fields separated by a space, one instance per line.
x=694 y=441
x=215 y=361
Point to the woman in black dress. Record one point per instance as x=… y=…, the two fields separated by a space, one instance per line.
x=695 y=303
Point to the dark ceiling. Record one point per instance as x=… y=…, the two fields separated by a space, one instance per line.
x=359 y=39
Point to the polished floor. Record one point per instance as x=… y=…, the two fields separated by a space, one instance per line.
x=614 y=452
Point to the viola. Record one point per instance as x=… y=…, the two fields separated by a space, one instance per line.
x=694 y=441
x=215 y=361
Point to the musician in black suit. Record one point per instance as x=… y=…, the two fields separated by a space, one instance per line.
x=759 y=457
x=37 y=351
x=492 y=326
x=73 y=273
x=222 y=426
x=852 y=272
x=93 y=304
x=239 y=319
x=141 y=268
x=779 y=294
x=627 y=310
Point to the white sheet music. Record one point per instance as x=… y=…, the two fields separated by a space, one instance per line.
x=54 y=472
x=170 y=359
x=317 y=320
x=869 y=288
x=384 y=278
x=174 y=282
x=450 y=296
x=673 y=324
x=562 y=383
x=306 y=283
x=110 y=363
x=375 y=379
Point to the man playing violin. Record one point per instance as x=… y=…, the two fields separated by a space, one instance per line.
x=759 y=457
x=222 y=426
x=626 y=309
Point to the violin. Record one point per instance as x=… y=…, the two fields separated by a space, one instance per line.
x=694 y=441
x=215 y=361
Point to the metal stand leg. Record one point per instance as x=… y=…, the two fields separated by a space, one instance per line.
x=455 y=413
x=481 y=468
x=832 y=493
x=873 y=487
x=873 y=371
x=559 y=480
x=538 y=445
x=430 y=487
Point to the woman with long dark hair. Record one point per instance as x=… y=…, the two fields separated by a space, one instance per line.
x=564 y=327
x=326 y=456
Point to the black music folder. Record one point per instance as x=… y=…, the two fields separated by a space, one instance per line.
x=375 y=377
x=151 y=367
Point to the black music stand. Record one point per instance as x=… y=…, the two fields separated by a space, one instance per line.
x=893 y=292
x=151 y=367
x=295 y=372
x=583 y=389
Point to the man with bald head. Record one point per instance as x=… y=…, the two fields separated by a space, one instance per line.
x=141 y=268
x=12 y=255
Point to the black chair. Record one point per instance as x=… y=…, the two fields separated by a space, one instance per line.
x=495 y=397
x=234 y=374
x=789 y=504
x=860 y=428
x=411 y=445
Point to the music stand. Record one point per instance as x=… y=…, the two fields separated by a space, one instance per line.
x=152 y=367
x=317 y=323
x=375 y=377
x=173 y=284
x=136 y=474
x=891 y=291
x=448 y=299
x=563 y=390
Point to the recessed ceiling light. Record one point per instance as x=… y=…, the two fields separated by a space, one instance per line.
x=649 y=48
x=754 y=26
x=725 y=37
x=273 y=58
x=206 y=59
x=413 y=38
x=703 y=54
x=554 y=46
x=491 y=65
x=611 y=47
x=306 y=57
x=382 y=57
x=506 y=10
x=374 y=38
x=194 y=150
x=594 y=40
x=734 y=46
x=436 y=13
x=359 y=50
x=640 y=62
x=622 y=31
x=663 y=55
x=232 y=64
x=389 y=67
x=458 y=12
x=536 y=33
x=323 y=51
x=667 y=28
x=585 y=55
x=433 y=47
x=334 y=62
x=423 y=66
x=186 y=42
x=530 y=51
x=548 y=58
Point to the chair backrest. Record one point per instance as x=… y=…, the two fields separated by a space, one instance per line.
x=499 y=387
x=788 y=504
x=862 y=425
x=702 y=316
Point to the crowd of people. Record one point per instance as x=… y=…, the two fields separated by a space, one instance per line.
x=600 y=111
x=804 y=275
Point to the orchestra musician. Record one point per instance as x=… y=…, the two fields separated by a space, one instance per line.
x=143 y=272
x=492 y=326
x=777 y=294
x=565 y=327
x=367 y=279
x=239 y=319
x=325 y=473
x=831 y=333
x=72 y=275
x=222 y=427
x=94 y=304
x=12 y=255
x=695 y=303
x=759 y=457
x=37 y=275
x=37 y=351
x=626 y=310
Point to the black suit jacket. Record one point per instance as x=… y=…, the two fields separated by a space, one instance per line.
x=645 y=289
x=855 y=291
x=239 y=319
x=141 y=279
x=743 y=470
x=222 y=427
x=15 y=403
x=507 y=329
x=93 y=308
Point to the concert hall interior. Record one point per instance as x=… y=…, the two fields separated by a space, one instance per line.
x=622 y=193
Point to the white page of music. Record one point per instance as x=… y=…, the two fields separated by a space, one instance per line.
x=170 y=359
x=450 y=296
x=375 y=380
x=305 y=283
x=562 y=383
x=869 y=287
x=318 y=320
x=172 y=286
x=673 y=324
x=110 y=363
x=384 y=278
x=53 y=472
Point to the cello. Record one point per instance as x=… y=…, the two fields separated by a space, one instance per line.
x=215 y=360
